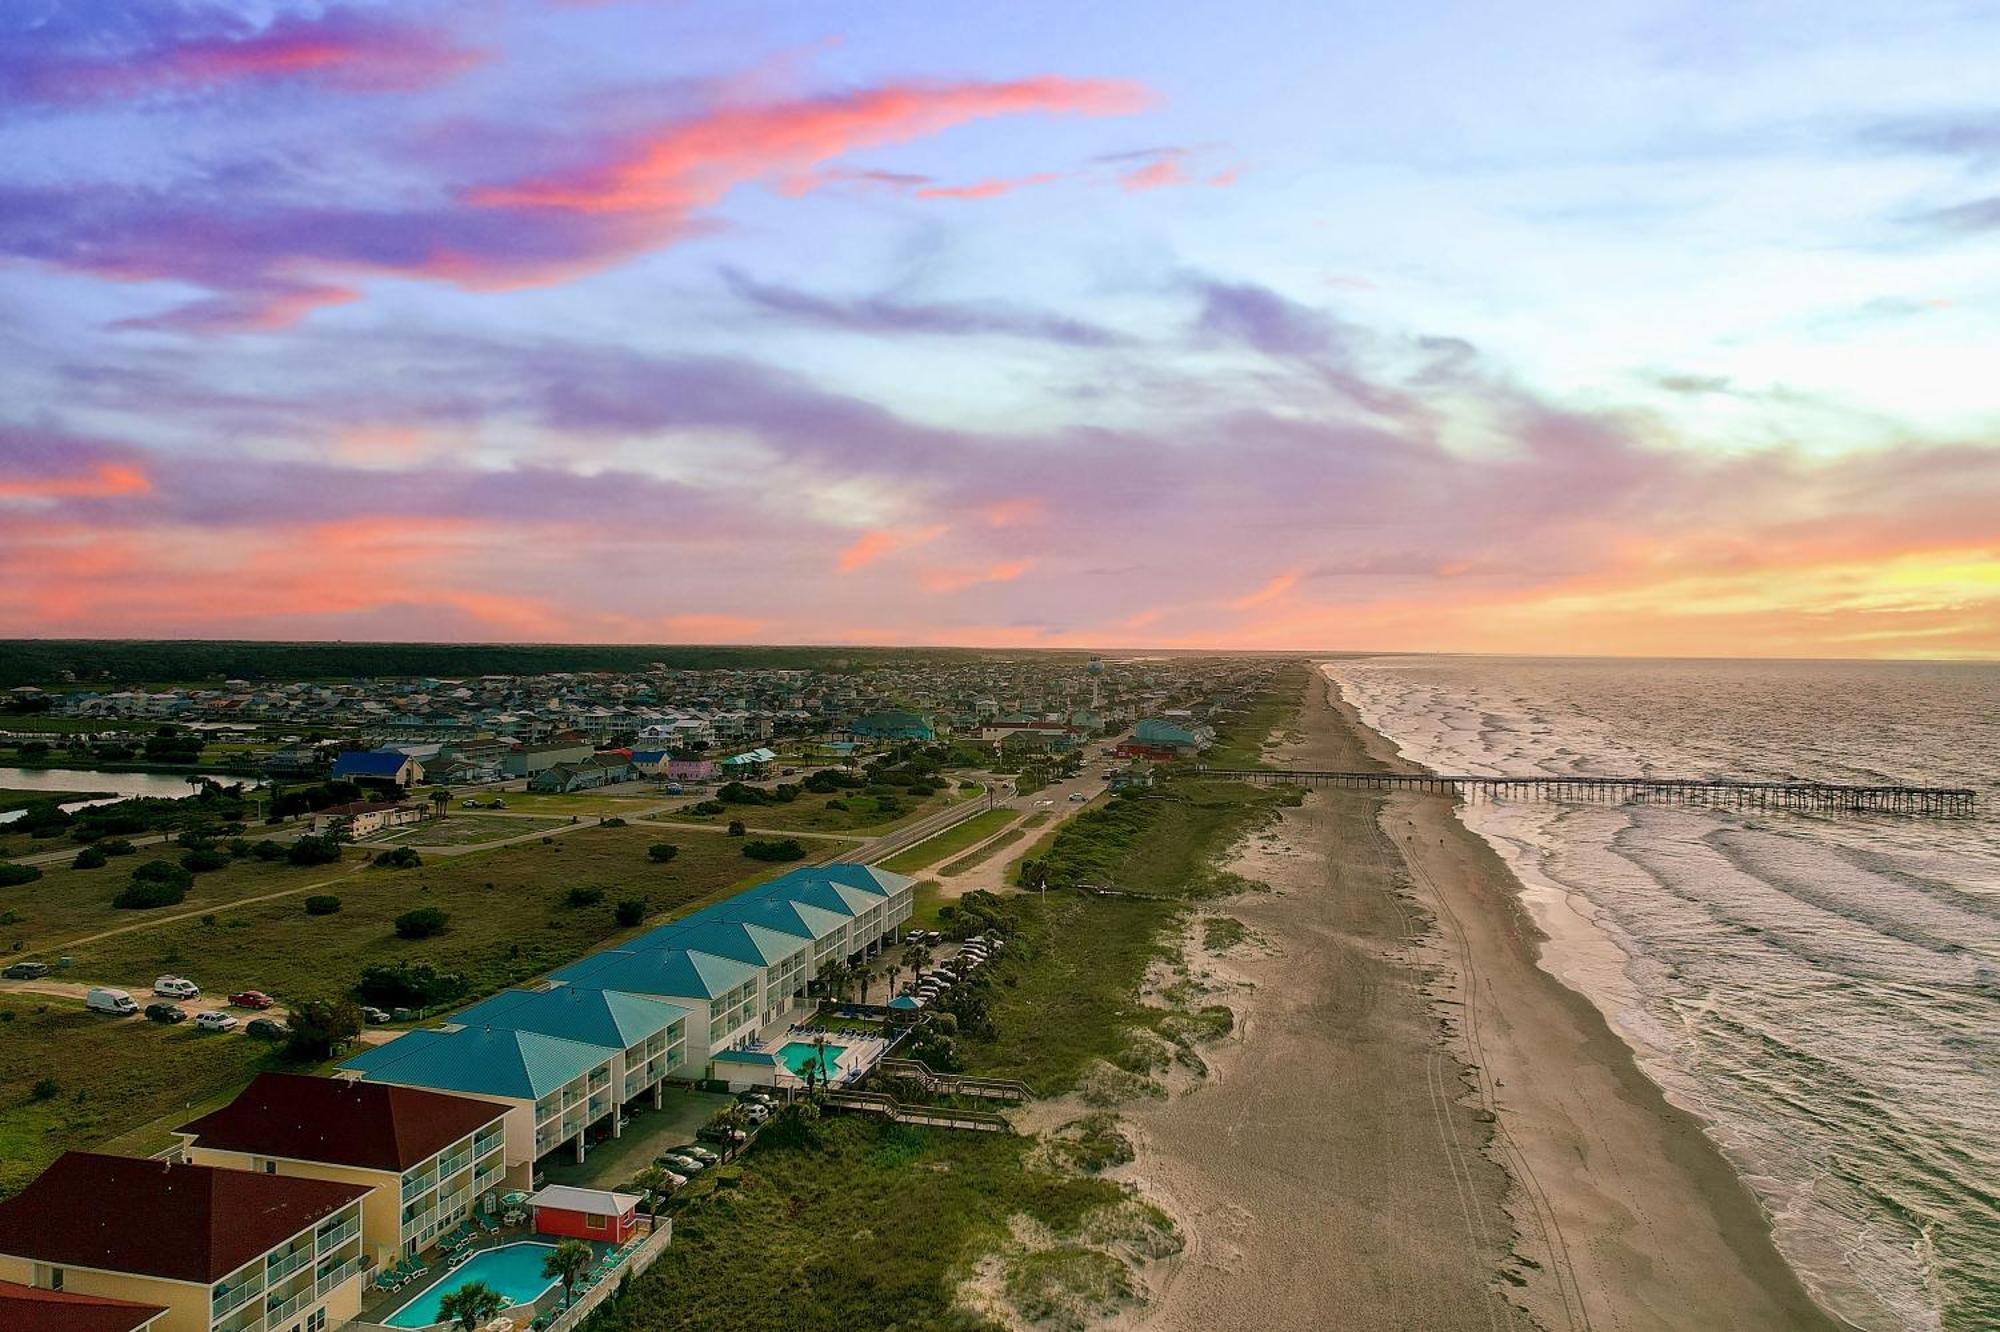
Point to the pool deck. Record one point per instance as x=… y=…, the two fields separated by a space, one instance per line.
x=376 y=1306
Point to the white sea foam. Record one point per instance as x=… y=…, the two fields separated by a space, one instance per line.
x=1824 y=992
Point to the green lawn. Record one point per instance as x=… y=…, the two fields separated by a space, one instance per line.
x=509 y=916
x=622 y=800
x=815 y=813
x=984 y=853
x=951 y=841
x=110 y=1074
x=866 y=1225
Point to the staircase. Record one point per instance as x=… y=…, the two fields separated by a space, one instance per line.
x=930 y=1116
x=955 y=1084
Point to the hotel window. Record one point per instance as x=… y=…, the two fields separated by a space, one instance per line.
x=55 y=1278
x=593 y=1223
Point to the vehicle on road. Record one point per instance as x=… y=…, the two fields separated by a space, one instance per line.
x=167 y=1013
x=176 y=987
x=269 y=1028
x=1077 y=797
x=26 y=971
x=216 y=1021
x=116 y=1002
x=251 y=999
x=374 y=1017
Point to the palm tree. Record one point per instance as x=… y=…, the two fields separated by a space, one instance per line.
x=895 y=974
x=866 y=976
x=472 y=1304
x=440 y=800
x=918 y=955
x=653 y=1179
x=567 y=1263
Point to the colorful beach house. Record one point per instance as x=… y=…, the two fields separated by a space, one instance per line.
x=586 y=1214
x=214 y=1250
x=424 y=1157
x=553 y=1089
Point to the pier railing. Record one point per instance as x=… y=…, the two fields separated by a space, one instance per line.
x=1812 y=797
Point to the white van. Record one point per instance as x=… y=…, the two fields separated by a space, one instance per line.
x=110 y=1001
x=176 y=987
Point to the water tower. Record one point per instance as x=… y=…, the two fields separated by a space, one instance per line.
x=1096 y=672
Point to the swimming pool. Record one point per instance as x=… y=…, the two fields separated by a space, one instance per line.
x=514 y=1270
x=798 y=1057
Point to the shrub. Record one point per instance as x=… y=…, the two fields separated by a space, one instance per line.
x=421 y=923
x=323 y=849
x=409 y=985
x=613 y=822
x=322 y=1026
x=90 y=857
x=322 y=904
x=267 y=850
x=736 y=828
x=661 y=852
x=117 y=846
x=401 y=857
x=708 y=807
x=144 y=894
x=584 y=897
x=631 y=912
x=12 y=875
x=203 y=859
x=775 y=849
x=45 y=1089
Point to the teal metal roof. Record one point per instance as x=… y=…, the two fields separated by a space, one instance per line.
x=761 y=1058
x=739 y=940
x=595 y=1017
x=673 y=972
x=489 y=1061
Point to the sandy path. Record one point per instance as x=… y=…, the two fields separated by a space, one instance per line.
x=1342 y=1167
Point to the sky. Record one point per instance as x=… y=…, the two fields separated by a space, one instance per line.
x=1622 y=329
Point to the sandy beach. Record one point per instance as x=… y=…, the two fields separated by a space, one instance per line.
x=1414 y=1126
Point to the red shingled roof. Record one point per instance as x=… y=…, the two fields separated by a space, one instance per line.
x=182 y=1222
x=25 y=1309
x=373 y=1125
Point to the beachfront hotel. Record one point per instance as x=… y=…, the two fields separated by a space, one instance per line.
x=425 y=1158
x=687 y=1000
x=210 y=1250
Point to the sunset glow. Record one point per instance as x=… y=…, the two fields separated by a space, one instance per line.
x=1288 y=326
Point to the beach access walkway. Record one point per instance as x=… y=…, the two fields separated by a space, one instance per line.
x=1724 y=792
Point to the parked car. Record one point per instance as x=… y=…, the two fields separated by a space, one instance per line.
x=675 y=1181
x=374 y=1017
x=269 y=1028
x=468 y=804
x=115 y=1002
x=250 y=999
x=699 y=1153
x=754 y=1095
x=167 y=1013
x=26 y=971
x=716 y=1133
x=686 y=1164
x=498 y=803
x=176 y=987
x=757 y=1112
x=216 y=1021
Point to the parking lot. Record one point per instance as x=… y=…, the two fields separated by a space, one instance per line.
x=205 y=1003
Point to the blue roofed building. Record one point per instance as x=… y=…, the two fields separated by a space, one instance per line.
x=378 y=765
x=721 y=994
x=892 y=725
x=650 y=1034
x=554 y=1089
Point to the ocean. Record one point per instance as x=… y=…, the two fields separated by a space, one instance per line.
x=1823 y=991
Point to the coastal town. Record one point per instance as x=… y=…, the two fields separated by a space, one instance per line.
x=813 y=878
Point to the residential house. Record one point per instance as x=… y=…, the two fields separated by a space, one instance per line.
x=525 y=760
x=425 y=1157
x=363 y=818
x=218 y=1250
x=584 y=775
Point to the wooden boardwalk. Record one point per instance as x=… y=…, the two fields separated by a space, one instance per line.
x=1810 y=797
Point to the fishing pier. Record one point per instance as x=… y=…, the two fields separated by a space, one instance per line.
x=1715 y=792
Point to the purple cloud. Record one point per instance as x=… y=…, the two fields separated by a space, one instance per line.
x=888 y=317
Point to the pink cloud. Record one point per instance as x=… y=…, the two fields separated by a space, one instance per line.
x=1156 y=175
x=102 y=480
x=957 y=580
x=1269 y=592
x=985 y=189
x=872 y=546
x=693 y=164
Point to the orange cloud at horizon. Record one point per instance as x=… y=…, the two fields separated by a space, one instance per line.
x=873 y=545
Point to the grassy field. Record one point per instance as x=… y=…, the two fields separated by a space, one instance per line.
x=465 y=829
x=815 y=813
x=865 y=1226
x=984 y=853
x=622 y=800
x=509 y=916
x=15 y=798
x=1241 y=743
x=109 y=1074
x=951 y=841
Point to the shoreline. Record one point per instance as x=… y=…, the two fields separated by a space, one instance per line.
x=1466 y=1102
